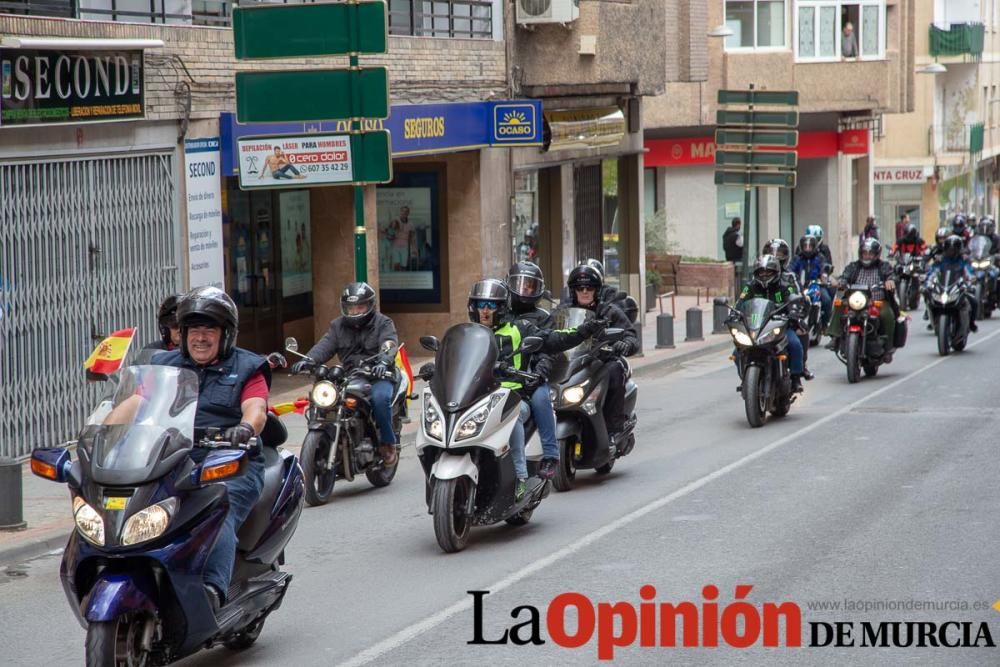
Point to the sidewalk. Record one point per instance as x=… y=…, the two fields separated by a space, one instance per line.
x=47 y=507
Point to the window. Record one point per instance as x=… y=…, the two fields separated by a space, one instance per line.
x=442 y=18
x=755 y=24
x=822 y=29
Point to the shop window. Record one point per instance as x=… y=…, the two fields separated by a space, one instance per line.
x=296 y=254
x=612 y=225
x=756 y=24
x=822 y=32
x=527 y=232
x=649 y=192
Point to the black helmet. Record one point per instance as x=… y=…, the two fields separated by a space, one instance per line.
x=870 y=246
x=941 y=234
x=358 y=294
x=595 y=263
x=209 y=306
x=959 y=224
x=631 y=308
x=526 y=284
x=779 y=248
x=585 y=276
x=766 y=270
x=808 y=245
x=490 y=290
x=911 y=234
x=953 y=246
x=166 y=317
x=986 y=226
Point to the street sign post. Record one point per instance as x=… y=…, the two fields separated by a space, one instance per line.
x=788 y=98
x=277 y=97
x=786 y=160
x=302 y=30
x=724 y=118
x=756 y=138
x=780 y=179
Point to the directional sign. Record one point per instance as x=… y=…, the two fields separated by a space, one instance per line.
x=296 y=30
x=784 y=119
x=787 y=160
x=767 y=178
x=788 y=138
x=292 y=96
x=773 y=97
x=310 y=160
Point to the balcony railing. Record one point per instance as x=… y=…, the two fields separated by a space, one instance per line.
x=959 y=39
x=956 y=138
x=432 y=18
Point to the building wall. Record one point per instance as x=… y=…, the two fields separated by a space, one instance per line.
x=689 y=200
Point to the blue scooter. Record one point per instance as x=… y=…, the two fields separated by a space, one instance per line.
x=148 y=509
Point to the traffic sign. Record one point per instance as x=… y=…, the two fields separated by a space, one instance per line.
x=786 y=138
x=781 y=179
x=787 y=160
x=373 y=157
x=772 y=97
x=299 y=30
x=291 y=96
x=785 y=119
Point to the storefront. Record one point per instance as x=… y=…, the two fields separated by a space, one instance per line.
x=904 y=189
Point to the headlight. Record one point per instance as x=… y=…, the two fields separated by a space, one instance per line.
x=433 y=425
x=473 y=424
x=324 y=394
x=573 y=395
x=741 y=337
x=857 y=301
x=88 y=521
x=150 y=523
x=590 y=405
x=768 y=335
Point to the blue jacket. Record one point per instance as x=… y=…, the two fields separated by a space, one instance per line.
x=947 y=264
x=813 y=266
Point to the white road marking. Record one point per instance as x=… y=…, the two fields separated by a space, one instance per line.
x=406 y=634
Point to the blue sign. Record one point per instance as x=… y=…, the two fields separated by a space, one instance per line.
x=416 y=129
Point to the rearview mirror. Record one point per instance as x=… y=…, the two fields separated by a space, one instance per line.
x=612 y=335
x=531 y=344
x=51 y=463
x=430 y=343
x=291 y=344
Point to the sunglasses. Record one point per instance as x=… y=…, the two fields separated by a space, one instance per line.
x=487 y=305
x=585 y=289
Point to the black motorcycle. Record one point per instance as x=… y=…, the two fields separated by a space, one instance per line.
x=985 y=289
x=910 y=276
x=342 y=441
x=945 y=295
x=759 y=328
x=579 y=382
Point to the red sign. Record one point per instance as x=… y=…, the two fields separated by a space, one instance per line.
x=853 y=142
x=701 y=150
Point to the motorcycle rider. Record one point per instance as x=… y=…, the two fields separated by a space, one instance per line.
x=781 y=250
x=809 y=260
x=870 y=270
x=822 y=248
x=871 y=231
x=960 y=228
x=234 y=388
x=935 y=251
x=910 y=243
x=170 y=332
x=586 y=289
x=771 y=283
x=988 y=227
x=953 y=259
x=358 y=334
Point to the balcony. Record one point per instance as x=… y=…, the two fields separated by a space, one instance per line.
x=960 y=39
x=955 y=138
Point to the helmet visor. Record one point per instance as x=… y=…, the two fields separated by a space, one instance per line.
x=526 y=286
x=765 y=276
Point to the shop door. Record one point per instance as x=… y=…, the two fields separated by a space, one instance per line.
x=587 y=209
x=254 y=273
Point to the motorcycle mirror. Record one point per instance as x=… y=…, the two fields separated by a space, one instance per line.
x=531 y=344
x=291 y=344
x=426 y=371
x=430 y=343
x=612 y=335
x=52 y=463
x=96 y=377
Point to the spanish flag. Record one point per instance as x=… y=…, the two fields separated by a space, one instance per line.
x=299 y=406
x=403 y=362
x=108 y=356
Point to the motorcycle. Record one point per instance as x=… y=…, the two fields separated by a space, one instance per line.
x=463 y=440
x=864 y=345
x=945 y=296
x=815 y=324
x=148 y=509
x=342 y=439
x=985 y=289
x=910 y=276
x=579 y=383
x=759 y=328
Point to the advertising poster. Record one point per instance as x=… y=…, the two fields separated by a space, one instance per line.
x=408 y=258
x=295 y=161
x=202 y=166
x=296 y=253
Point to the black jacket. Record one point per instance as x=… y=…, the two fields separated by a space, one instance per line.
x=617 y=319
x=734 y=253
x=353 y=345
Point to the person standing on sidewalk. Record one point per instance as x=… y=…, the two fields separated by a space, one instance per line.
x=732 y=246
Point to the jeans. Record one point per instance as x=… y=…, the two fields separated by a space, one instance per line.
x=825 y=305
x=517 y=443
x=243 y=494
x=382 y=392
x=614 y=403
x=545 y=420
x=283 y=172
x=795 y=362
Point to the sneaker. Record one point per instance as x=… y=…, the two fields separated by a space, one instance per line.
x=214 y=597
x=930 y=327
x=796 y=384
x=520 y=489
x=807 y=374
x=547 y=469
x=388 y=453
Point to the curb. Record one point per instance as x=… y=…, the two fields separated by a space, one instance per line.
x=669 y=363
x=31 y=549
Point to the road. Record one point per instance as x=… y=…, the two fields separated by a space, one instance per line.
x=881 y=491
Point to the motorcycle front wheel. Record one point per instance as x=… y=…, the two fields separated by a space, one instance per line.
x=451 y=523
x=944 y=335
x=382 y=475
x=853 y=357
x=754 y=397
x=118 y=642
x=319 y=479
x=565 y=470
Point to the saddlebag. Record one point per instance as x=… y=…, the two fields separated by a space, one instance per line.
x=899 y=337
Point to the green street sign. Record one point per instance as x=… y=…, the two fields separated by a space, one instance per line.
x=781 y=179
x=373 y=152
x=784 y=119
x=787 y=160
x=774 y=97
x=299 y=30
x=787 y=138
x=291 y=96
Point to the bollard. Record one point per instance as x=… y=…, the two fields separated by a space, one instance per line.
x=664 y=331
x=720 y=311
x=11 y=505
x=693 y=324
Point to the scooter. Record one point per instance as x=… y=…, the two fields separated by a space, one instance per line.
x=148 y=508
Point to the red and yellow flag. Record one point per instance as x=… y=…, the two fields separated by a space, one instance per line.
x=299 y=406
x=403 y=361
x=107 y=357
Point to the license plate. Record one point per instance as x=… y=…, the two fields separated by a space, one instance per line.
x=578 y=450
x=115 y=502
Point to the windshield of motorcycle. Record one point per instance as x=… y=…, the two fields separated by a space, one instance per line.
x=568 y=317
x=756 y=312
x=464 y=366
x=151 y=417
x=946 y=278
x=979 y=248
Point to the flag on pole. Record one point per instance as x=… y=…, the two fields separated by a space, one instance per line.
x=299 y=407
x=107 y=357
x=403 y=361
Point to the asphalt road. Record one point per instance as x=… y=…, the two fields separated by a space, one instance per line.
x=883 y=492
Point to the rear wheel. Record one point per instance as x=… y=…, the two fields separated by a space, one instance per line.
x=913 y=299
x=944 y=335
x=318 y=478
x=451 y=523
x=565 y=469
x=754 y=397
x=853 y=357
x=117 y=643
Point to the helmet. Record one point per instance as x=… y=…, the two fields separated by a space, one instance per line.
x=166 y=317
x=209 y=306
x=766 y=270
x=526 y=284
x=986 y=226
x=595 y=263
x=941 y=234
x=358 y=294
x=872 y=247
x=779 y=248
x=808 y=245
x=817 y=231
x=631 y=308
x=953 y=246
x=493 y=291
x=959 y=224
x=585 y=276
x=911 y=234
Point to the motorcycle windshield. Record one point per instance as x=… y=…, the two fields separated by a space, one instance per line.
x=568 y=317
x=979 y=248
x=151 y=417
x=464 y=366
x=757 y=312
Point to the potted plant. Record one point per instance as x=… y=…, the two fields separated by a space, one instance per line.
x=654 y=281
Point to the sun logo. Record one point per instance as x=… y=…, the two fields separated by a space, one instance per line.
x=514 y=118
x=514 y=124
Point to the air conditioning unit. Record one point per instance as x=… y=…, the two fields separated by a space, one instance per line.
x=547 y=11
